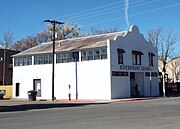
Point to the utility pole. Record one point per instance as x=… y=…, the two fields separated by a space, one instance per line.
x=4 y=67
x=164 y=85
x=150 y=74
x=53 y=22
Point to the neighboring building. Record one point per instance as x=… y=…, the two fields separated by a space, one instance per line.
x=172 y=70
x=6 y=66
x=106 y=66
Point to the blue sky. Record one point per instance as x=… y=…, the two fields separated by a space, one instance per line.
x=25 y=17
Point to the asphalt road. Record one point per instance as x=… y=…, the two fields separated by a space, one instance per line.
x=149 y=114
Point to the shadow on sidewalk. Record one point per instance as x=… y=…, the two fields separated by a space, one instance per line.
x=27 y=107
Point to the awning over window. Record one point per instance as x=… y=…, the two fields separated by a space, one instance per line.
x=137 y=52
x=152 y=54
x=120 y=51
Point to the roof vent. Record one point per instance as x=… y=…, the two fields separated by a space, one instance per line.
x=59 y=44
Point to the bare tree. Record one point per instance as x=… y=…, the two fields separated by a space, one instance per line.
x=25 y=43
x=7 y=40
x=63 y=32
x=164 y=41
x=95 y=31
x=44 y=36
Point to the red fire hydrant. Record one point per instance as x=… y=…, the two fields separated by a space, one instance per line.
x=69 y=95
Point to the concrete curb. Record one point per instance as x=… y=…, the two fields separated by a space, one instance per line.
x=132 y=99
x=82 y=101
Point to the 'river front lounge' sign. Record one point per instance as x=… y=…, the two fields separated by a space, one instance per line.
x=134 y=68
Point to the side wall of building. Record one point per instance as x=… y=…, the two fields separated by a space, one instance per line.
x=87 y=80
x=91 y=77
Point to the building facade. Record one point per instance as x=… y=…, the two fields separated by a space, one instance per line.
x=106 y=66
x=6 y=66
x=172 y=70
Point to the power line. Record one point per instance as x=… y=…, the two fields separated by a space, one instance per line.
x=134 y=5
x=148 y=11
x=77 y=13
x=84 y=13
x=107 y=9
x=84 y=17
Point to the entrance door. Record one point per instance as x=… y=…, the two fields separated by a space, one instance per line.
x=17 y=89
x=132 y=84
x=137 y=78
x=37 y=86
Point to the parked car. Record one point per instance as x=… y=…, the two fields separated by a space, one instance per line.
x=2 y=94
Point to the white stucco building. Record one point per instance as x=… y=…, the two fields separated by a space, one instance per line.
x=106 y=66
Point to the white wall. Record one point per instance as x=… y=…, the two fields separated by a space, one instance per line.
x=93 y=79
x=25 y=75
x=120 y=87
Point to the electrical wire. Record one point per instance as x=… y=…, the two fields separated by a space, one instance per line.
x=107 y=9
x=148 y=11
x=77 y=19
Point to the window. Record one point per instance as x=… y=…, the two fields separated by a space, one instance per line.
x=58 y=58
x=136 y=56
x=153 y=74
x=42 y=59
x=46 y=59
x=151 y=55
x=120 y=56
x=83 y=55
x=75 y=56
x=104 y=54
x=64 y=58
x=67 y=57
x=23 y=61
x=95 y=54
x=89 y=55
x=117 y=73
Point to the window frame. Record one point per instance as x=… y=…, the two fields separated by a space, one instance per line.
x=120 y=53
x=136 y=57
x=151 y=59
x=42 y=59
x=23 y=61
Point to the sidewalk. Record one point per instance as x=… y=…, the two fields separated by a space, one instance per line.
x=105 y=101
x=16 y=101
